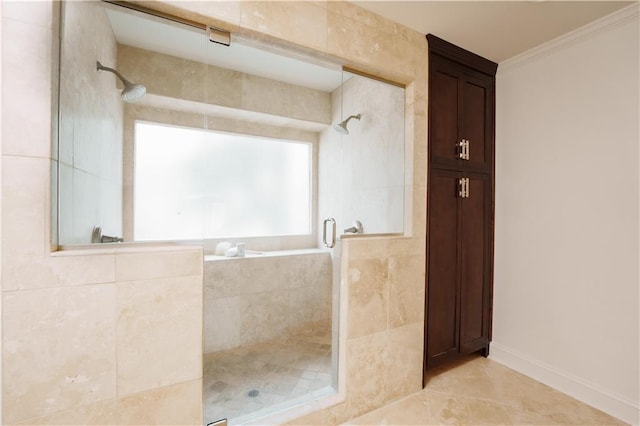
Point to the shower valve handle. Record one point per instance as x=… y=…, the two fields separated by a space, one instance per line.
x=357 y=228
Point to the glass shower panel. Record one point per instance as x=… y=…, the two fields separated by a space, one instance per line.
x=108 y=53
x=267 y=325
x=330 y=175
x=372 y=143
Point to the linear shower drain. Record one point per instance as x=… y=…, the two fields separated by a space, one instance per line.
x=253 y=393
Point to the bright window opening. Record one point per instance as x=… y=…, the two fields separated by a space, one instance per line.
x=193 y=184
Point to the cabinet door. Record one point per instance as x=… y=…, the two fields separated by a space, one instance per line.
x=444 y=100
x=460 y=108
x=475 y=264
x=443 y=266
x=476 y=120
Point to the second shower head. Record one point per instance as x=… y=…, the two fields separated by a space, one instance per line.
x=131 y=92
x=342 y=126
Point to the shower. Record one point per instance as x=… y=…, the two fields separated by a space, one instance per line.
x=342 y=127
x=131 y=92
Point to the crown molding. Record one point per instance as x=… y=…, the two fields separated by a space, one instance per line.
x=607 y=23
x=458 y=54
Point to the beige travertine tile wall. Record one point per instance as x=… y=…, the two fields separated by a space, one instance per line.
x=374 y=188
x=63 y=341
x=110 y=335
x=90 y=142
x=177 y=78
x=256 y=299
x=384 y=278
x=383 y=360
x=361 y=175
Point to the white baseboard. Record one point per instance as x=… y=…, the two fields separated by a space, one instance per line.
x=589 y=393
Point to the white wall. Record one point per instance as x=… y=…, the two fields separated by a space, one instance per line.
x=567 y=230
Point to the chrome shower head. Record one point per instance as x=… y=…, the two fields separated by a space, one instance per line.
x=131 y=92
x=342 y=127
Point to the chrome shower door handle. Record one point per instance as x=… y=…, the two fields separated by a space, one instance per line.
x=332 y=221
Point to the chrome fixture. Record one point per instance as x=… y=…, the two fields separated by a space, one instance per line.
x=357 y=228
x=342 y=127
x=331 y=243
x=97 y=237
x=131 y=92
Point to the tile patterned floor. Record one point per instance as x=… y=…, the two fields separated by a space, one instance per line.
x=478 y=391
x=294 y=369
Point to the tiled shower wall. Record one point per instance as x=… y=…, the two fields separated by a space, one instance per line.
x=373 y=189
x=91 y=109
x=104 y=335
x=382 y=281
x=256 y=299
x=184 y=80
x=360 y=174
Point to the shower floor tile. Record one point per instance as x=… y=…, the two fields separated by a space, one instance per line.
x=247 y=382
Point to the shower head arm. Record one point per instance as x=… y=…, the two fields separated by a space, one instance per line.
x=131 y=92
x=342 y=126
x=101 y=67
x=356 y=116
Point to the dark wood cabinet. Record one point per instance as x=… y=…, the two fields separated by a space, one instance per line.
x=463 y=105
x=460 y=203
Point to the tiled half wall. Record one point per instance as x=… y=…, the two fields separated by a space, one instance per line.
x=260 y=298
x=119 y=344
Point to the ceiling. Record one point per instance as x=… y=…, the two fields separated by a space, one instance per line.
x=497 y=30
